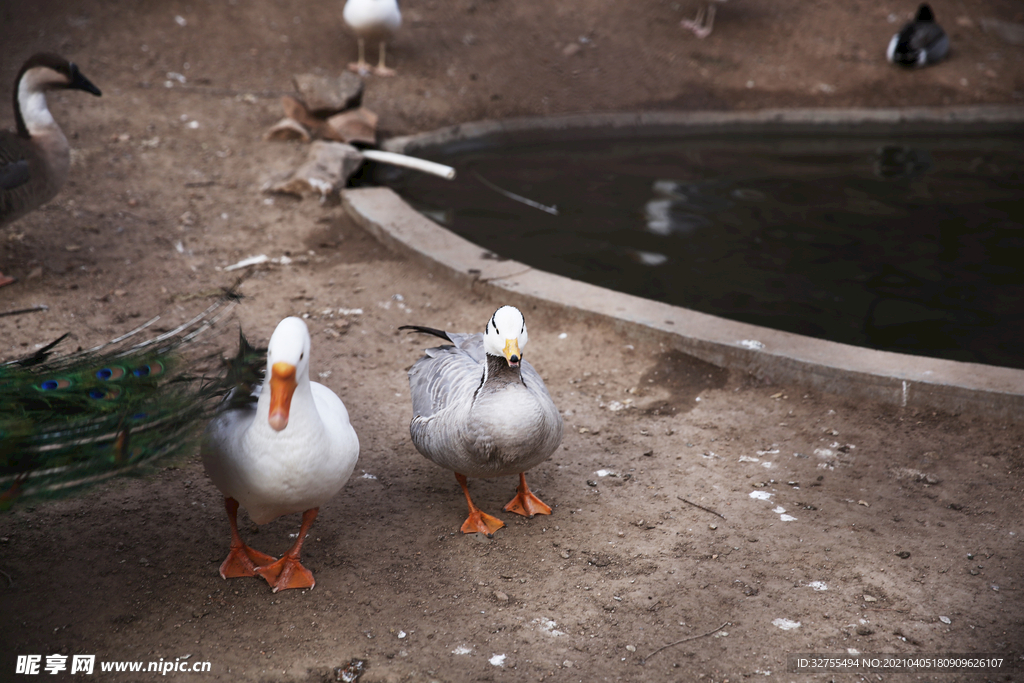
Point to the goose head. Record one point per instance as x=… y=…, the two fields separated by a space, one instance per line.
x=41 y=72
x=287 y=367
x=505 y=335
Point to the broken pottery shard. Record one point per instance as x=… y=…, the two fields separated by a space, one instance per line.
x=355 y=125
x=327 y=95
x=324 y=172
x=287 y=129
x=295 y=109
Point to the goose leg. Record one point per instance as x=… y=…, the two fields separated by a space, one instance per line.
x=6 y=279
x=525 y=503
x=361 y=67
x=242 y=560
x=382 y=70
x=288 y=572
x=478 y=521
x=703 y=23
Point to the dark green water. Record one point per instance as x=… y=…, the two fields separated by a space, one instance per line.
x=911 y=245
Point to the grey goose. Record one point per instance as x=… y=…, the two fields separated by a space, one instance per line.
x=481 y=410
x=34 y=161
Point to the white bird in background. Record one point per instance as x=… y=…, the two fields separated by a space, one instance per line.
x=290 y=451
x=702 y=24
x=375 y=21
x=480 y=410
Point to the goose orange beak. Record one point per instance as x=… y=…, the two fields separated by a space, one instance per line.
x=282 y=386
x=511 y=352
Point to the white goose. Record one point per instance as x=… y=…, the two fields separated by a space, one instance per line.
x=289 y=452
x=480 y=410
x=374 y=20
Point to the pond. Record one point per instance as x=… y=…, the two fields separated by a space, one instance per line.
x=912 y=244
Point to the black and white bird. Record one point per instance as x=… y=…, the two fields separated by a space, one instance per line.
x=34 y=161
x=481 y=410
x=920 y=42
x=374 y=21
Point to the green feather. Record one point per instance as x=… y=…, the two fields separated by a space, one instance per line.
x=73 y=420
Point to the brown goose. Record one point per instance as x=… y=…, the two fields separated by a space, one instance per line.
x=34 y=161
x=480 y=410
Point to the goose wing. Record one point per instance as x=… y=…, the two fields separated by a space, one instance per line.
x=445 y=380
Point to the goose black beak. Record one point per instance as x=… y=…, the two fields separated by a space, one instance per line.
x=80 y=82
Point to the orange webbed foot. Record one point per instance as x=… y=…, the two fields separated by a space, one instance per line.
x=243 y=561
x=480 y=522
x=525 y=503
x=286 y=573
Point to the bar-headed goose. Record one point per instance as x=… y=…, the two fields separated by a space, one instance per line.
x=34 y=161
x=374 y=21
x=480 y=410
x=290 y=451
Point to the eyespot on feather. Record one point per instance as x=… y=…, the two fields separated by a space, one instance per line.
x=111 y=373
x=54 y=384
x=153 y=369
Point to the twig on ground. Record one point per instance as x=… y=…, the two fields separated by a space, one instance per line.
x=689 y=502
x=10 y=581
x=33 y=309
x=703 y=635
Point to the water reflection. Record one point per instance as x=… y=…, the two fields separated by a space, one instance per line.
x=909 y=245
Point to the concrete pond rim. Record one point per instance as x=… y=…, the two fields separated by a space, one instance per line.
x=903 y=380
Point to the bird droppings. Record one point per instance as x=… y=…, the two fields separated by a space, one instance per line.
x=497 y=660
x=785 y=624
x=761 y=495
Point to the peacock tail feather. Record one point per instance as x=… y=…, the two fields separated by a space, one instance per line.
x=73 y=420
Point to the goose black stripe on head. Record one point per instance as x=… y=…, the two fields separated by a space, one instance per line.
x=509 y=344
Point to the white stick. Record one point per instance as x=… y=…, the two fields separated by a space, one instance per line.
x=410 y=162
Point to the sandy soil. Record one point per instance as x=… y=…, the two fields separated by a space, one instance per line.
x=907 y=530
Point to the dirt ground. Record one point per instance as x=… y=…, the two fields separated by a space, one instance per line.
x=908 y=527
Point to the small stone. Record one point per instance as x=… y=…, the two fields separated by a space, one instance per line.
x=500 y=597
x=571 y=49
x=631 y=648
x=649 y=453
x=903 y=554
x=864 y=630
x=870 y=598
x=564 y=554
x=591 y=482
x=712 y=526
x=327 y=95
x=945 y=620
